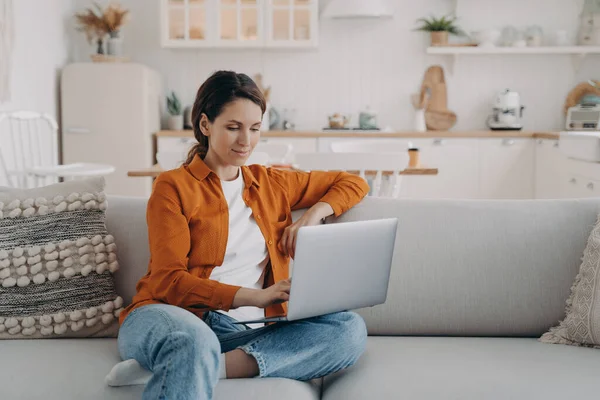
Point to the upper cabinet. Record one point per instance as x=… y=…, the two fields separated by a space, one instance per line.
x=239 y=23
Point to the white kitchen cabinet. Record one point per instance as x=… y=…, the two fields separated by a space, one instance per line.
x=578 y=186
x=181 y=145
x=550 y=170
x=458 y=163
x=239 y=23
x=299 y=145
x=506 y=168
x=292 y=23
x=324 y=143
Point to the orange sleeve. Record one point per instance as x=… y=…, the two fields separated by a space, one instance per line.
x=341 y=190
x=169 y=237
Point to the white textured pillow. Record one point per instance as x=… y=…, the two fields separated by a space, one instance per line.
x=581 y=326
x=56 y=262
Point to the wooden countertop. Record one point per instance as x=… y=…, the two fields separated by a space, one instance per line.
x=388 y=135
x=155 y=170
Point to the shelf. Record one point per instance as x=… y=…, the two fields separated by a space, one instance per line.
x=455 y=50
x=578 y=53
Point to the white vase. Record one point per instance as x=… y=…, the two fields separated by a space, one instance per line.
x=115 y=45
x=175 y=122
x=419 y=122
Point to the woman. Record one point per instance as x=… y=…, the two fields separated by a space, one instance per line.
x=221 y=237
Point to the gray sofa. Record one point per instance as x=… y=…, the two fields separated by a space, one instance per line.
x=473 y=284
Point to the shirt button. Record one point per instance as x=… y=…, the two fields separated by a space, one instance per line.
x=270 y=242
x=258 y=217
x=220 y=305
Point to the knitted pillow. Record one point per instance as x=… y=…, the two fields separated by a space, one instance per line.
x=56 y=262
x=581 y=326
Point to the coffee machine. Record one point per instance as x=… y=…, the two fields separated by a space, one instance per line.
x=507 y=112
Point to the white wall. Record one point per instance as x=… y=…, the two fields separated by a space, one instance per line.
x=41 y=49
x=379 y=63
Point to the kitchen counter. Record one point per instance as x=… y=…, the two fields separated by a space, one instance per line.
x=387 y=135
x=155 y=170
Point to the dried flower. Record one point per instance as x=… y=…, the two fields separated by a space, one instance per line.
x=97 y=22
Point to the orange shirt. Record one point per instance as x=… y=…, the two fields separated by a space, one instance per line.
x=188 y=222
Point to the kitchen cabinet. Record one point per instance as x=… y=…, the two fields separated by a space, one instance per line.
x=550 y=171
x=239 y=23
x=506 y=168
x=181 y=145
x=580 y=179
x=292 y=23
x=299 y=145
x=458 y=163
x=578 y=186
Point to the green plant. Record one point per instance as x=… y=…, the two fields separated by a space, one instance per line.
x=443 y=24
x=173 y=104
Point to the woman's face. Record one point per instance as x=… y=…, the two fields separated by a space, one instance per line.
x=234 y=133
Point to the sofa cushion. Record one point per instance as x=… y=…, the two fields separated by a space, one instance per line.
x=581 y=326
x=478 y=267
x=467 y=369
x=56 y=262
x=65 y=369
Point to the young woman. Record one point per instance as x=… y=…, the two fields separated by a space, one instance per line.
x=221 y=237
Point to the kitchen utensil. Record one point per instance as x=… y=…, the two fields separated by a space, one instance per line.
x=440 y=120
x=437 y=115
x=583 y=117
x=534 y=36
x=367 y=119
x=338 y=121
x=486 y=37
x=507 y=112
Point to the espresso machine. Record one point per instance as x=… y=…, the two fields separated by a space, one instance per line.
x=507 y=113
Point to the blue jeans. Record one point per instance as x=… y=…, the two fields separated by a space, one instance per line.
x=183 y=351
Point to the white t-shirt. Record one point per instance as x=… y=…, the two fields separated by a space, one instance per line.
x=246 y=255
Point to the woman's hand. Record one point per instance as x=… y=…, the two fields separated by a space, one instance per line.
x=262 y=298
x=312 y=216
x=274 y=294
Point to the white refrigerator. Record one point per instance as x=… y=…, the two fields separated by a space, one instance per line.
x=110 y=112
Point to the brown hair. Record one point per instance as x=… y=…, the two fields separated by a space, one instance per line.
x=220 y=89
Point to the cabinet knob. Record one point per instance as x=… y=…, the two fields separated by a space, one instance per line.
x=556 y=143
x=590 y=186
x=439 y=142
x=573 y=180
x=508 y=142
x=540 y=141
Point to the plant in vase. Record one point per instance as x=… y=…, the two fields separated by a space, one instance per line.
x=115 y=17
x=97 y=22
x=175 y=120
x=439 y=29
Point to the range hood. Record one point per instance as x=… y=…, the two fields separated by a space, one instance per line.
x=344 y=9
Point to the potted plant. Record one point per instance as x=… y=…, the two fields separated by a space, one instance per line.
x=439 y=28
x=175 y=120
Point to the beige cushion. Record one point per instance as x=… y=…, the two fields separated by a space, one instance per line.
x=56 y=262
x=581 y=326
x=429 y=368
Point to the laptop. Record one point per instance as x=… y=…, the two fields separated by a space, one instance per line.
x=339 y=267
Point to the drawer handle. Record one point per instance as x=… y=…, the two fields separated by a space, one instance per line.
x=508 y=142
x=590 y=186
x=439 y=142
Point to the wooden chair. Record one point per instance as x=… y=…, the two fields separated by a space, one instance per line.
x=29 y=152
x=371 y=166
